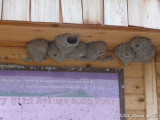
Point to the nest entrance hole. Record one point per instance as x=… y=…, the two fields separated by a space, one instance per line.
x=127 y=54
x=72 y=39
x=54 y=55
x=137 y=45
x=101 y=53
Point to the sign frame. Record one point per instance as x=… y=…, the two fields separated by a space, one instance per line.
x=119 y=71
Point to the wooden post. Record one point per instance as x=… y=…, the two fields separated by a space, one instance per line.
x=150 y=91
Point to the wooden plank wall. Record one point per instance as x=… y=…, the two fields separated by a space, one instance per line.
x=0 y=9
x=134 y=75
x=14 y=37
x=92 y=11
x=150 y=90
x=77 y=11
x=16 y=10
x=143 y=13
x=45 y=10
x=158 y=79
x=72 y=11
x=115 y=12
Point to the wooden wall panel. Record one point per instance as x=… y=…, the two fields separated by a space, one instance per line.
x=158 y=65
x=158 y=56
x=158 y=79
x=158 y=86
x=19 y=33
x=72 y=11
x=145 y=13
x=16 y=10
x=158 y=102
x=134 y=85
x=45 y=10
x=135 y=102
x=158 y=69
x=150 y=89
x=92 y=11
x=134 y=98
x=17 y=55
x=0 y=9
x=115 y=12
x=136 y=115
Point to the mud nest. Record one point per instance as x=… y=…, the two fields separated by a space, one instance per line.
x=140 y=49
x=67 y=46
x=37 y=49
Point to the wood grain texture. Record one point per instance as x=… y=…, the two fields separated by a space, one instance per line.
x=16 y=10
x=158 y=56
x=115 y=12
x=0 y=9
x=45 y=10
x=150 y=89
x=145 y=13
x=134 y=102
x=158 y=95
x=72 y=11
x=60 y=12
x=158 y=69
x=92 y=11
x=19 y=33
x=158 y=102
x=134 y=85
x=17 y=55
x=158 y=86
x=136 y=115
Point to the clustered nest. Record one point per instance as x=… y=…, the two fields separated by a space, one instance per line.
x=66 y=46
x=37 y=49
x=140 y=49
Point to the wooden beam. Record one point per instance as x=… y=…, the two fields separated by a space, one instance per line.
x=115 y=12
x=93 y=11
x=45 y=10
x=150 y=89
x=144 y=13
x=16 y=10
x=19 y=33
x=72 y=11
